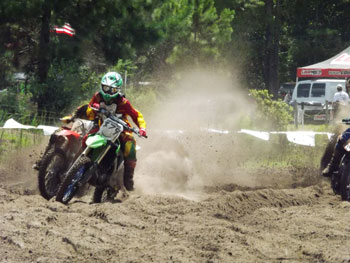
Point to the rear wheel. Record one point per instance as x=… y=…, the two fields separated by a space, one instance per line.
x=70 y=184
x=52 y=167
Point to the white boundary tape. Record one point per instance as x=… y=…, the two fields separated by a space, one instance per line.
x=12 y=124
x=306 y=138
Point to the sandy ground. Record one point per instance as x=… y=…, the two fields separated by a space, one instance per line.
x=268 y=216
x=194 y=201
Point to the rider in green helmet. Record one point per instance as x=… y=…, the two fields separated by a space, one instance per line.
x=111 y=86
x=110 y=97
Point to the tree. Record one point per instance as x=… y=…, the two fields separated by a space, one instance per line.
x=192 y=33
x=271 y=61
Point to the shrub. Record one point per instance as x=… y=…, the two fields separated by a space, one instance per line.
x=271 y=114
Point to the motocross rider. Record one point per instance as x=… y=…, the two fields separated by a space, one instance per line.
x=338 y=153
x=110 y=98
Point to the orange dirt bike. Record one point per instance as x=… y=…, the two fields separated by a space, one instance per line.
x=101 y=160
x=63 y=146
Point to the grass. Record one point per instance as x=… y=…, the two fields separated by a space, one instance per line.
x=245 y=152
x=278 y=152
x=14 y=139
x=311 y=127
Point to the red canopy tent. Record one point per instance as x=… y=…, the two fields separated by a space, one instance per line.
x=335 y=67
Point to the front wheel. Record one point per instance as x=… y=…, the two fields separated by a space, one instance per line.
x=70 y=184
x=335 y=183
x=53 y=165
x=345 y=183
x=103 y=194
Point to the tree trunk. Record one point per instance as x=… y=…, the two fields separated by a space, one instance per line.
x=44 y=54
x=271 y=65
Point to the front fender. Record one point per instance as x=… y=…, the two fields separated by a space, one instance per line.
x=96 y=141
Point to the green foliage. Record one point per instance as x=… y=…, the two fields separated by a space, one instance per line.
x=67 y=84
x=194 y=30
x=123 y=66
x=6 y=69
x=270 y=113
x=16 y=103
x=265 y=40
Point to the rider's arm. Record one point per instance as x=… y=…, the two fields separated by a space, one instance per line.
x=90 y=113
x=80 y=112
x=135 y=115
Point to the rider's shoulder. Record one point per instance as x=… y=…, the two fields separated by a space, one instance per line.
x=97 y=95
x=122 y=99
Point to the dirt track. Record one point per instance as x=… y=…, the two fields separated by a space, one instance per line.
x=291 y=217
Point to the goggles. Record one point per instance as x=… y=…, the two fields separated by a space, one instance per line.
x=109 y=89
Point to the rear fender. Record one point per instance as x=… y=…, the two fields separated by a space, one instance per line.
x=68 y=133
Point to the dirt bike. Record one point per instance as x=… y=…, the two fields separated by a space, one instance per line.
x=61 y=150
x=101 y=159
x=327 y=155
x=340 y=180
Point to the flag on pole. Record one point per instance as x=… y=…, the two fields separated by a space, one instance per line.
x=66 y=29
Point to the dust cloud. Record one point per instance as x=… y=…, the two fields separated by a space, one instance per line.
x=191 y=144
x=16 y=171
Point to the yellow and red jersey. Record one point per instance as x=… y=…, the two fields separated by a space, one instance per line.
x=124 y=108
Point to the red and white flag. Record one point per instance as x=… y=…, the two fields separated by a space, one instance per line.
x=66 y=29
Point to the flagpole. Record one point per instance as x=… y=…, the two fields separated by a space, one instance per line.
x=126 y=79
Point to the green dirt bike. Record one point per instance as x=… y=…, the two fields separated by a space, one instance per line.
x=101 y=159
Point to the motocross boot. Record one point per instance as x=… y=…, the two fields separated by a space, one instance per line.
x=129 y=167
x=333 y=165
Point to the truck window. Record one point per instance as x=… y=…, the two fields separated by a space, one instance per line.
x=318 y=90
x=303 y=90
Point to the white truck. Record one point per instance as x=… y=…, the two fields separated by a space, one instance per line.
x=310 y=97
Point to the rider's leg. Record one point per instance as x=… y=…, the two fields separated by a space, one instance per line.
x=334 y=162
x=129 y=167
x=129 y=149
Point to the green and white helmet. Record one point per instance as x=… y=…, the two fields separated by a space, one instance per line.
x=111 y=85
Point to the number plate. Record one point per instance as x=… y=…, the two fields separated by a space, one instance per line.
x=109 y=129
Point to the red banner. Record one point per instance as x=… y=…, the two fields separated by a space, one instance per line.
x=323 y=73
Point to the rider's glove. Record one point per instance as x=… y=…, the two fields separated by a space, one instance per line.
x=142 y=132
x=96 y=105
x=66 y=119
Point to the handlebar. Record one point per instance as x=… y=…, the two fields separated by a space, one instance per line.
x=123 y=123
x=346 y=121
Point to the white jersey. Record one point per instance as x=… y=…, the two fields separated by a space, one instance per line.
x=342 y=97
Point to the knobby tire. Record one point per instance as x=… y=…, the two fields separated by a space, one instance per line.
x=99 y=194
x=83 y=161
x=49 y=183
x=344 y=183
